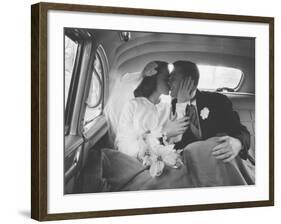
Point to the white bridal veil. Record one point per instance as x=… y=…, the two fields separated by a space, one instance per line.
x=120 y=94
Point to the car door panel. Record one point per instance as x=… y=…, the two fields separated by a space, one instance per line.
x=73 y=161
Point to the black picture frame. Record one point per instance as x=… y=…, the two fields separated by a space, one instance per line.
x=39 y=107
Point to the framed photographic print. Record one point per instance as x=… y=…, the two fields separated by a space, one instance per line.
x=138 y=111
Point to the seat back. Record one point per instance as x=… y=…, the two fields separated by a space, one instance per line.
x=245 y=106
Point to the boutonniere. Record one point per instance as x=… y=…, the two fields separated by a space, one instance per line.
x=204 y=113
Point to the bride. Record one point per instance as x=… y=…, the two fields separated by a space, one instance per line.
x=146 y=115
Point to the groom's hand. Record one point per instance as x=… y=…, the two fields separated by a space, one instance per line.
x=176 y=127
x=186 y=90
x=227 y=149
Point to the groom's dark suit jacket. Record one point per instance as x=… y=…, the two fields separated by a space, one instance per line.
x=222 y=120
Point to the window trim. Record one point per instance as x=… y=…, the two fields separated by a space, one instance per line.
x=68 y=108
x=99 y=52
x=240 y=82
x=101 y=89
x=105 y=67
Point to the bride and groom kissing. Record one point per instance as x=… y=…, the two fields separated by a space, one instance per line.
x=161 y=139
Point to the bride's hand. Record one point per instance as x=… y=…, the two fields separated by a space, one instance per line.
x=176 y=127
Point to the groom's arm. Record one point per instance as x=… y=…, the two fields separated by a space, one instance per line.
x=230 y=121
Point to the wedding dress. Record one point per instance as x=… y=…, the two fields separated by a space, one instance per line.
x=138 y=117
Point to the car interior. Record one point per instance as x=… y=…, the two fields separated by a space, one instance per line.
x=101 y=68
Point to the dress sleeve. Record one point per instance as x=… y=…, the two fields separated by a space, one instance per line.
x=128 y=140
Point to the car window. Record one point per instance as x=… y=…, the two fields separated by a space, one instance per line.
x=216 y=77
x=94 y=102
x=95 y=91
x=70 y=50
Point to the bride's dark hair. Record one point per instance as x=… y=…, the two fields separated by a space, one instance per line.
x=149 y=83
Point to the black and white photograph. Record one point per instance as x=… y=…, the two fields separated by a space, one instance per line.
x=157 y=111
x=142 y=111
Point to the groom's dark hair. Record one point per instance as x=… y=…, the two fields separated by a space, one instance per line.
x=188 y=69
x=149 y=83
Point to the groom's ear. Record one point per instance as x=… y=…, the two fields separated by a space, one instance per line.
x=194 y=88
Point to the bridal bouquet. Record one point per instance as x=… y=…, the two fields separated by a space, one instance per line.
x=156 y=156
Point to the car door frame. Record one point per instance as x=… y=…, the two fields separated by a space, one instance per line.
x=77 y=143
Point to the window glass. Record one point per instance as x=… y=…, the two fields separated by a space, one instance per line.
x=94 y=102
x=214 y=77
x=70 y=50
x=94 y=91
x=98 y=66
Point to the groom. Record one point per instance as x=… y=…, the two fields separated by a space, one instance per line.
x=209 y=114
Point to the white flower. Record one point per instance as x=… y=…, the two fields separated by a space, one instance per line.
x=204 y=113
x=150 y=69
x=161 y=156
x=157 y=156
x=156 y=168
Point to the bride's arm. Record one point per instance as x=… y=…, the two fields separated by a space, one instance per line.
x=128 y=140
